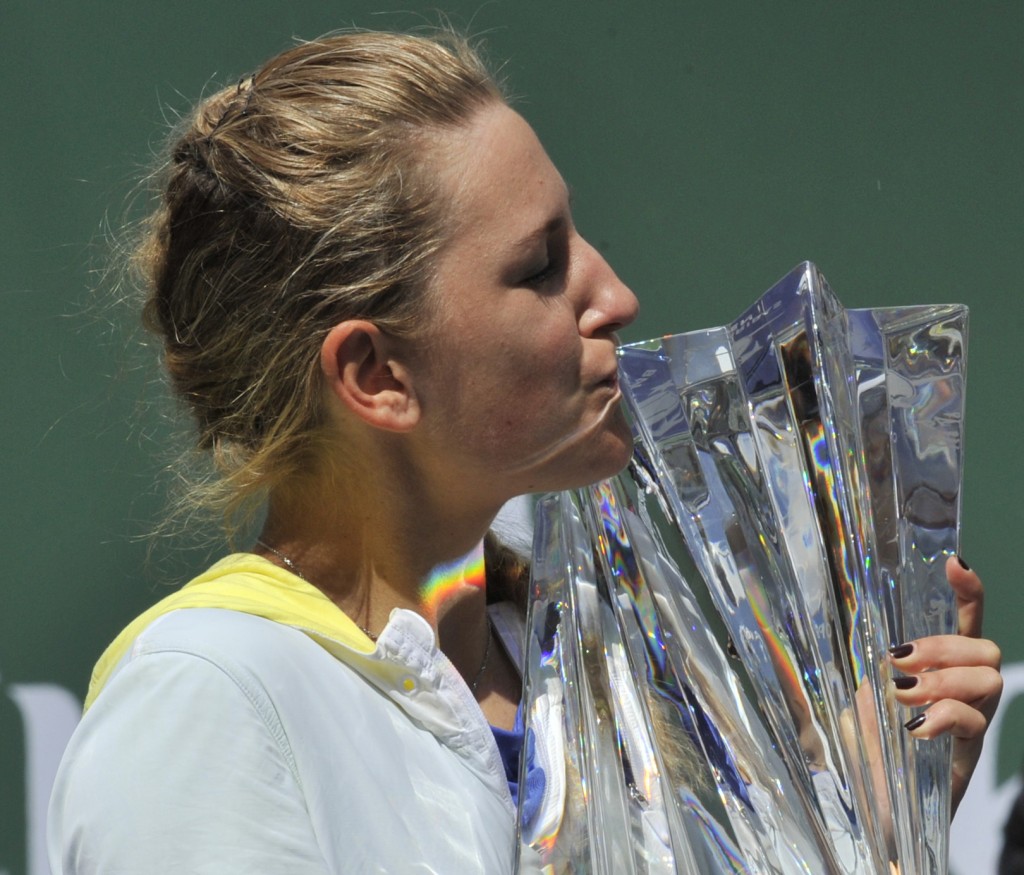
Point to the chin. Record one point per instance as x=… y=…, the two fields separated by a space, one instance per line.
x=618 y=460
x=592 y=454
x=599 y=458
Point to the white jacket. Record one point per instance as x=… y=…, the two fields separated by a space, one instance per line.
x=268 y=735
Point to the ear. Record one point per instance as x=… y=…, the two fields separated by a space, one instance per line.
x=363 y=372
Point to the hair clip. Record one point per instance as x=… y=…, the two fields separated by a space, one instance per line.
x=248 y=82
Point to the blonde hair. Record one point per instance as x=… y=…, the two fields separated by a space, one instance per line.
x=290 y=202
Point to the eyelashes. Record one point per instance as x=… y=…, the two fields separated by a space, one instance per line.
x=554 y=266
x=540 y=277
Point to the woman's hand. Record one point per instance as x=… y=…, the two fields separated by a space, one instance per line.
x=957 y=676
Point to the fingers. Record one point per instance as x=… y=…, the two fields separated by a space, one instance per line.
x=979 y=687
x=945 y=651
x=955 y=677
x=959 y=719
x=970 y=595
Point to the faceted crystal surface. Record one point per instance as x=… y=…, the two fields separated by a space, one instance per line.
x=799 y=468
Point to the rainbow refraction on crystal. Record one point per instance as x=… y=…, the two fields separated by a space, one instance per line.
x=840 y=556
x=614 y=542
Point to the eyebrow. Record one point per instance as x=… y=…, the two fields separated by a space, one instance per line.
x=542 y=233
x=552 y=225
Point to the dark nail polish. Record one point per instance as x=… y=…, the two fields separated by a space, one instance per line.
x=907 y=683
x=963 y=564
x=914 y=723
x=901 y=650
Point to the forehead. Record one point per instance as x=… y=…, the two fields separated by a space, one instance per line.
x=496 y=173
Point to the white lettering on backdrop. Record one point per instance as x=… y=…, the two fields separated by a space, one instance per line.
x=49 y=714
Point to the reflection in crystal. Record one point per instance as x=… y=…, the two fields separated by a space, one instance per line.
x=804 y=464
x=664 y=685
x=917 y=354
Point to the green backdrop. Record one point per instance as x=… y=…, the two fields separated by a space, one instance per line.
x=711 y=146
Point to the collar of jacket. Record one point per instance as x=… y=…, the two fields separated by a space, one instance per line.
x=252 y=585
x=405 y=663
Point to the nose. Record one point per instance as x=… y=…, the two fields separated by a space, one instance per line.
x=610 y=305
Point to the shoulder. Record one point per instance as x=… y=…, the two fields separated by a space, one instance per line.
x=182 y=761
x=215 y=664
x=210 y=684
x=188 y=651
x=227 y=638
x=186 y=678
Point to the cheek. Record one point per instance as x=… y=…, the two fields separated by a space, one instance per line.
x=511 y=381
x=544 y=393
x=551 y=358
x=533 y=396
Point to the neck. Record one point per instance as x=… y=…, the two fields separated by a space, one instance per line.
x=368 y=568
x=394 y=551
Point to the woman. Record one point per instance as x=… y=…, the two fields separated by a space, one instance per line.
x=374 y=302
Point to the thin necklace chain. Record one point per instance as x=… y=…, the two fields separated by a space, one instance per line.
x=289 y=563
x=294 y=569
x=483 y=662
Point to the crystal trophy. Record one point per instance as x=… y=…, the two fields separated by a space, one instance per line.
x=707 y=685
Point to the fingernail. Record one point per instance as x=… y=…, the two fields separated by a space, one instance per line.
x=901 y=651
x=907 y=683
x=963 y=564
x=914 y=723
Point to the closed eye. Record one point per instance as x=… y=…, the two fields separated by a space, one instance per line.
x=555 y=262
x=543 y=275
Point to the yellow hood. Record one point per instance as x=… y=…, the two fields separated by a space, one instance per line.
x=250 y=584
